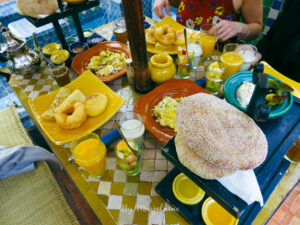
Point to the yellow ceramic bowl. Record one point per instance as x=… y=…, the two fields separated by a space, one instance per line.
x=214 y=214
x=88 y=84
x=49 y=49
x=186 y=191
x=60 y=56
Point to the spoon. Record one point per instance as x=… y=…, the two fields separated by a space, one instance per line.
x=184 y=31
x=118 y=128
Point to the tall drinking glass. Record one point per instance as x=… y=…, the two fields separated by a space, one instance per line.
x=90 y=153
x=209 y=37
x=195 y=51
x=231 y=60
x=248 y=52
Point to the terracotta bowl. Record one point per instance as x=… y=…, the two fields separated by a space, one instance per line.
x=173 y=88
x=81 y=60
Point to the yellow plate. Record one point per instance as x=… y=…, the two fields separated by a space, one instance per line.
x=49 y=49
x=186 y=191
x=270 y=70
x=87 y=83
x=172 y=23
x=214 y=214
x=60 y=56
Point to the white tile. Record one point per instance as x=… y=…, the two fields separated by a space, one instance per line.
x=158 y=176
x=149 y=154
x=158 y=154
x=146 y=176
x=29 y=88
x=119 y=176
x=24 y=82
x=126 y=216
x=111 y=163
x=153 y=192
x=156 y=217
x=40 y=82
x=114 y=202
x=273 y=13
x=33 y=94
x=104 y=188
x=46 y=88
x=161 y=164
x=143 y=202
x=93 y=179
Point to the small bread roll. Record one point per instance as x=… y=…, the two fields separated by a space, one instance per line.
x=96 y=104
x=33 y=8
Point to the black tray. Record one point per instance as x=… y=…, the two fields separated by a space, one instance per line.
x=192 y=213
x=281 y=133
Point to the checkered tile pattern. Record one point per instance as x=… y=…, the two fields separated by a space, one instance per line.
x=273 y=14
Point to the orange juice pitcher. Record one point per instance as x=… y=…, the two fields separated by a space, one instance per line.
x=90 y=153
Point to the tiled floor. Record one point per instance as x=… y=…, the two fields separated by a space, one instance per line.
x=289 y=211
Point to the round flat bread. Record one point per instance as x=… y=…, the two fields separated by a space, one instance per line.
x=33 y=8
x=196 y=164
x=220 y=133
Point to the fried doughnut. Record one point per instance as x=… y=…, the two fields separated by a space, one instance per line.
x=70 y=114
x=150 y=35
x=165 y=35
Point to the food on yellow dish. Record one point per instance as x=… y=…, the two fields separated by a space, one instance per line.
x=76 y=95
x=165 y=35
x=70 y=114
x=107 y=63
x=34 y=8
x=180 y=37
x=162 y=47
x=62 y=94
x=95 y=104
x=165 y=111
x=60 y=56
x=150 y=35
x=49 y=49
x=220 y=133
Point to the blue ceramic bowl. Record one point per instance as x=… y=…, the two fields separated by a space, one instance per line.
x=95 y=39
x=75 y=45
x=233 y=82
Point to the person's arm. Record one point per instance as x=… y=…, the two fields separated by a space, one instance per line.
x=159 y=6
x=252 y=11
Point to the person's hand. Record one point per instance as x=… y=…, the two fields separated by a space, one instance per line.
x=228 y=29
x=258 y=57
x=159 y=6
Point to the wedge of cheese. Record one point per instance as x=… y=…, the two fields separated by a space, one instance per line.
x=60 y=97
x=76 y=95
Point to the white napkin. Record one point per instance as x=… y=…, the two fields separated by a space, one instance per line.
x=243 y=184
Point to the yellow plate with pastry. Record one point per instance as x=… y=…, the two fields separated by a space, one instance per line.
x=165 y=36
x=75 y=110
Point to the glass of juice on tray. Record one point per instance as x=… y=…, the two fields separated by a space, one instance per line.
x=208 y=37
x=133 y=128
x=129 y=160
x=231 y=60
x=90 y=153
x=120 y=30
x=195 y=46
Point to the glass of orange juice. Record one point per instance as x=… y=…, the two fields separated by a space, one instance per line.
x=90 y=153
x=209 y=37
x=231 y=60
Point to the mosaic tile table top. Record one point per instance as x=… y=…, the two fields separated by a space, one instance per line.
x=115 y=198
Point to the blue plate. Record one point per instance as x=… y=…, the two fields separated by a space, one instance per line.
x=233 y=82
x=76 y=44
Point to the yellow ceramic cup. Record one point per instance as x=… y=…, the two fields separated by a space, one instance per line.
x=161 y=67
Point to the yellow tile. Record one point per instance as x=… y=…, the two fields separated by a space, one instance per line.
x=117 y=188
x=171 y=217
x=182 y=221
x=262 y=217
x=44 y=76
x=37 y=87
x=115 y=214
x=108 y=176
x=94 y=185
x=128 y=202
x=273 y=201
x=134 y=179
x=145 y=188
x=140 y=217
x=49 y=82
x=31 y=82
x=284 y=186
x=104 y=199
x=157 y=203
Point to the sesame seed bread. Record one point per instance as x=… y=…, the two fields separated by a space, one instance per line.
x=196 y=164
x=219 y=133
